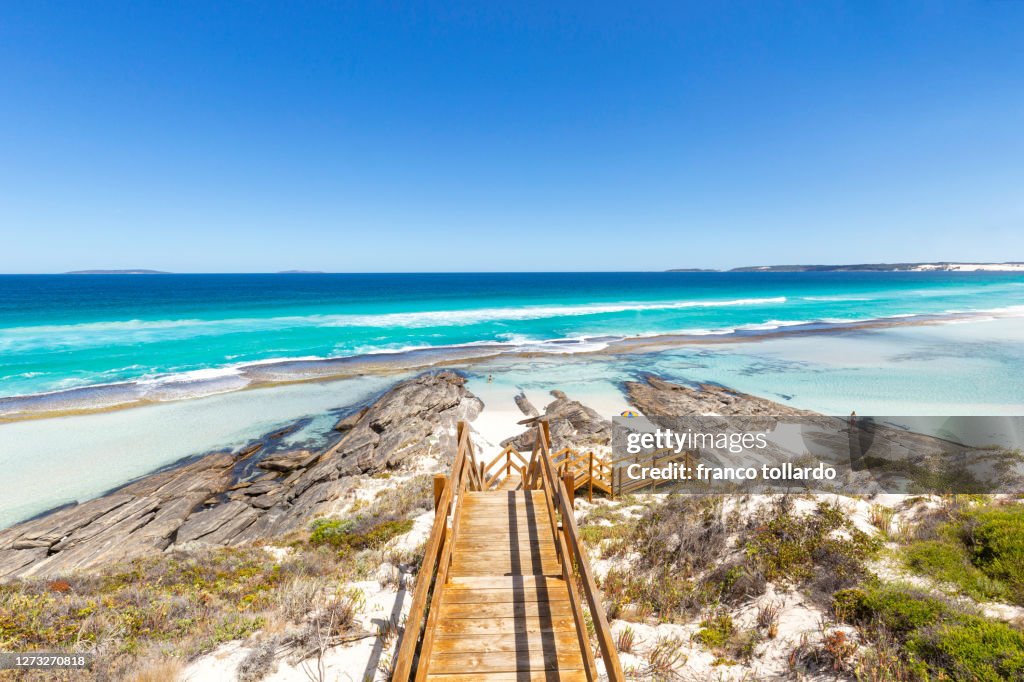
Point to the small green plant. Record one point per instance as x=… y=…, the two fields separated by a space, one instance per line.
x=716 y=630
x=663 y=593
x=744 y=644
x=625 y=640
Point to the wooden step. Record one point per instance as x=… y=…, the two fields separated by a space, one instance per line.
x=540 y=676
x=542 y=532
x=503 y=504
x=465 y=568
x=501 y=662
x=500 y=520
x=495 y=496
x=520 y=542
x=534 y=557
x=454 y=595
x=502 y=582
x=501 y=626
x=523 y=641
x=537 y=609
x=524 y=548
x=468 y=551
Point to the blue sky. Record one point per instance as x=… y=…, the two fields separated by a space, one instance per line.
x=508 y=136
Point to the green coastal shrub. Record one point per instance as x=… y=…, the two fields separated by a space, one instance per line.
x=380 y=534
x=180 y=604
x=970 y=648
x=980 y=550
x=357 y=533
x=823 y=546
x=899 y=609
x=996 y=537
x=949 y=562
x=330 y=531
x=941 y=642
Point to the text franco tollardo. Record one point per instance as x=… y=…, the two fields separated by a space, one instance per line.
x=766 y=472
x=677 y=441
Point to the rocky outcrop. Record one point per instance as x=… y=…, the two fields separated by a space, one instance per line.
x=572 y=424
x=659 y=398
x=525 y=406
x=201 y=502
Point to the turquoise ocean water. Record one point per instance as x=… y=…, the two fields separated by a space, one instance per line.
x=63 y=332
x=182 y=346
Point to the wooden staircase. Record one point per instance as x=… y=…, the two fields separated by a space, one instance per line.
x=501 y=579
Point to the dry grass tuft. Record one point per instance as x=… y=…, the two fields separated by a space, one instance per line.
x=167 y=670
x=665 y=656
x=768 y=618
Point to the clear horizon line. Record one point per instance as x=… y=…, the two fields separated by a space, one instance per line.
x=298 y=271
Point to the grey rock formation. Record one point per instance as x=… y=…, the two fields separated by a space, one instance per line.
x=201 y=502
x=288 y=461
x=658 y=398
x=525 y=406
x=572 y=424
x=351 y=420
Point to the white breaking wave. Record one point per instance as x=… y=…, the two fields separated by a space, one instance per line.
x=426 y=318
x=94 y=334
x=838 y=298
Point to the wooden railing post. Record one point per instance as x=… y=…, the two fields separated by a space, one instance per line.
x=616 y=480
x=569 y=481
x=590 y=479
x=440 y=481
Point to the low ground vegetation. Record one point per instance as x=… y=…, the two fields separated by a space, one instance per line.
x=937 y=639
x=695 y=562
x=145 y=619
x=979 y=549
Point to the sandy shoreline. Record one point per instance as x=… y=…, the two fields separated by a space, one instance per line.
x=124 y=395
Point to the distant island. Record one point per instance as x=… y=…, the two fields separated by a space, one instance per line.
x=117 y=272
x=876 y=267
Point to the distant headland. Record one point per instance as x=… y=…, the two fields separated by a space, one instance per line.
x=876 y=267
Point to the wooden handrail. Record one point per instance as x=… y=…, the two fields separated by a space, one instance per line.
x=436 y=560
x=431 y=559
x=565 y=558
x=613 y=667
